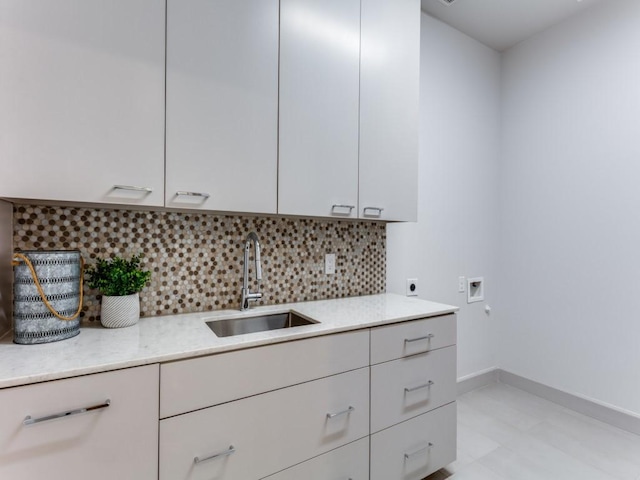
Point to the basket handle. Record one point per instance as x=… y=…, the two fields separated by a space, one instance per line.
x=24 y=258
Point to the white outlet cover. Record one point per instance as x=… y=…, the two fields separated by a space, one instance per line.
x=412 y=287
x=330 y=264
x=462 y=284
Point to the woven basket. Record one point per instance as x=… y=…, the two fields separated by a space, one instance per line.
x=59 y=274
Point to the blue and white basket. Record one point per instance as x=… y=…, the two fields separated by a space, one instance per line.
x=47 y=296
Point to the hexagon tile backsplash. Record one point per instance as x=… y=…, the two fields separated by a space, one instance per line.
x=196 y=258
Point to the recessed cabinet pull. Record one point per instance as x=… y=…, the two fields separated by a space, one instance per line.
x=133 y=188
x=30 y=421
x=344 y=412
x=377 y=211
x=192 y=194
x=419 y=387
x=346 y=207
x=231 y=450
x=419 y=339
x=407 y=456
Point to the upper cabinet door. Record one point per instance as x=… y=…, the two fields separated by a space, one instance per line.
x=319 y=90
x=390 y=70
x=82 y=100
x=222 y=105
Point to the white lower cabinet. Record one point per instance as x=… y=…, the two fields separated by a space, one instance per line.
x=312 y=409
x=264 y=434
x=409 y=386
x=348 y=462
x=411 y=338
x=98 y=427
x=416 y=448
x=261 y=369
x=413 y=393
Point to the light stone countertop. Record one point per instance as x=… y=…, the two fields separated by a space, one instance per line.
x=174 y=337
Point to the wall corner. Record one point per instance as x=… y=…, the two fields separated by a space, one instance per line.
x=6 y=270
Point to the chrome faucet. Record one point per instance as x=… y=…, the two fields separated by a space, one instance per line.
x=246 y=293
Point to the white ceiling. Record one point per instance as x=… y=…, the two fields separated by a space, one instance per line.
x=501 y=24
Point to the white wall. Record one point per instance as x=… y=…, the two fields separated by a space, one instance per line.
x=569 y=305
x=457 y=206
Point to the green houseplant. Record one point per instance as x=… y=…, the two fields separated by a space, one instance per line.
x=119 y=281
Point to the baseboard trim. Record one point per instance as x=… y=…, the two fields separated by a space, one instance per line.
x=605 y=413
x=477 y=380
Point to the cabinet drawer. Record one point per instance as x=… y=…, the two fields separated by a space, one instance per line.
x=268 y=432
x=410 y=338
x=203 y=382
x=96 y=444
x=416 y=448
x=348 y=462
x=410 y=386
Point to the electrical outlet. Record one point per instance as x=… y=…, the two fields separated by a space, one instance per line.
x=462 y=284
x=330 y=263
x=412 y=287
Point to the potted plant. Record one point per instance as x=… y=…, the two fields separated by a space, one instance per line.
x=119 y=281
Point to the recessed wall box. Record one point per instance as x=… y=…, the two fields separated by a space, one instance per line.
x=475 y=289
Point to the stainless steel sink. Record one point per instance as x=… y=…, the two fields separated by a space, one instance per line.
x=261 y=323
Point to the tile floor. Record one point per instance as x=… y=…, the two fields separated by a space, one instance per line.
x=507 y=434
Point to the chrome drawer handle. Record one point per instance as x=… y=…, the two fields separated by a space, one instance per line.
x=192 y=194
x=419 y=339
x=407 y=456
x=349 y=207
x=30 y=421
x=133 y=188
x=230 y=451
x=419 y=387
x=377 y=209
x=344 y=412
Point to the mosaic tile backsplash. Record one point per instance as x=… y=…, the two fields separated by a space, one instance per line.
x=196 y=259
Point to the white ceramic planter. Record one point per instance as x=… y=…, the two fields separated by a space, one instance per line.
x=118 y=312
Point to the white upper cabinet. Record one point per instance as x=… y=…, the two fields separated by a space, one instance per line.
x=389 y=89
x=222 y=105
x=319 y=90
x=82 y=100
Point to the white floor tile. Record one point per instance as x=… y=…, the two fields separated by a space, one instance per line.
x=507 y=434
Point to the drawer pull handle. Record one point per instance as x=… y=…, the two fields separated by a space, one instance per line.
x=419 y=339
x=345 y=207
x=134 y=188
x=230 y=451
x=30 y=421
x=407 y=456
x=192 y=194
x=377 y=211
x=344 y=412
x=419 y=387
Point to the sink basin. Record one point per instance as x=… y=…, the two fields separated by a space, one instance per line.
x=260 y=323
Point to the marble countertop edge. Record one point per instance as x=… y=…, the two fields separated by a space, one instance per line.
x=179 y=337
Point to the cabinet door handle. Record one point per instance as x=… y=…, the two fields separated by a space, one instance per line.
x=230 y=451
x=376 y=209
x=419 y=339
x=407 y=456
x=134 y=188
x=30 y=421
x=419 y=387
x=344 y=412
x=192 y=194
x=346 y=207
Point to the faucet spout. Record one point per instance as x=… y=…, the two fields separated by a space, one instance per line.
x=247 y=296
